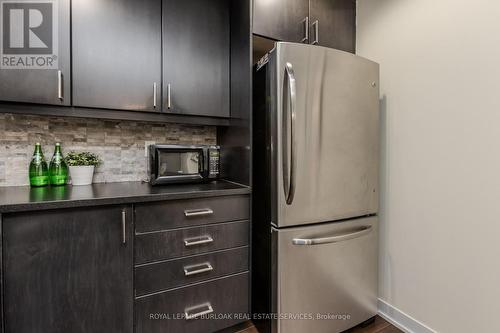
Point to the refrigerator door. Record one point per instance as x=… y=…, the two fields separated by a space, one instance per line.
x=326 y=276
x=324 y=133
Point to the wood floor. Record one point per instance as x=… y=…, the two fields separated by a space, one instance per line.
x=378 y=326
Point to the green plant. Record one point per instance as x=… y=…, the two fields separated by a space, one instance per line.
x=84 y=158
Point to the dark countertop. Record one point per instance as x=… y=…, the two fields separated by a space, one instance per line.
x=24 y=198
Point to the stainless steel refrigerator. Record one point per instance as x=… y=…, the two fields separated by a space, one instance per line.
x=315 y=183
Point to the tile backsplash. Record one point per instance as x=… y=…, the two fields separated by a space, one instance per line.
x=119 y=144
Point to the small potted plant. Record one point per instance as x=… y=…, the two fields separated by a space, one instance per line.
x=81 y=167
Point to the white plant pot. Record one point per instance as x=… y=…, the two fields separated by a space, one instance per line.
x=81 y=175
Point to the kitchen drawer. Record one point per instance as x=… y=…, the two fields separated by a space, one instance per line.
x=184 y=213
x=169 y=274
x=176 y=243
x=225 y=299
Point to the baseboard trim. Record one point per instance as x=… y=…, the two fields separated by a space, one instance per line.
x=401 y=320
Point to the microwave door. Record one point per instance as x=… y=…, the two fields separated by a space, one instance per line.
x=325 y=134
x=190 y=163
x=175 y=166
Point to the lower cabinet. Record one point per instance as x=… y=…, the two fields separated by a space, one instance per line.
x=192 y=271
x=68 y=270
x=72 y=270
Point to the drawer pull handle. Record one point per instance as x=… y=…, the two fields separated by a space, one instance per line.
x=198 y=240
x=205 y=308
x=198 y=269
x=198 y=212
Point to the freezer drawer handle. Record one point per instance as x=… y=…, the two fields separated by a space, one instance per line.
x=198 y=240
x=334 y=239
x=205 y=308
x=197 y=269
x=198 y=212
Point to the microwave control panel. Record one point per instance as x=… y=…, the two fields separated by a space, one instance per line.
x=213 y=163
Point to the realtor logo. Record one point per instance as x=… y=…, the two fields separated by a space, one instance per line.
x=28 y=33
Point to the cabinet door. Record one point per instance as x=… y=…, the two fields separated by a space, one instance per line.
x=68 y=271
x=35 y=52
x=333 y=24
x=117 y=54
x=196 y=57
x=283 y=20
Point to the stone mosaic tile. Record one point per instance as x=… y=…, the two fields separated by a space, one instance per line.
x=120 y=144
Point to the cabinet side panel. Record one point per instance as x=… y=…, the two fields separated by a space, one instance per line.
x=261 y=205
x=235 y=139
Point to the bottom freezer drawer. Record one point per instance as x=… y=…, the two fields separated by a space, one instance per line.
x=202 y=308
x=326 y=279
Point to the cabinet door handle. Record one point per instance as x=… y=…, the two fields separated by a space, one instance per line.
x=169 y=97
x=124 y=227
x=154 y=95
x=60 y=85
x=204 y=309
x=198 y=212
x=198 y=240
x=198 y=269
x=305 y=22
x=315 y=27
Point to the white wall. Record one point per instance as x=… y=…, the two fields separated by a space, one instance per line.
x=440 y=206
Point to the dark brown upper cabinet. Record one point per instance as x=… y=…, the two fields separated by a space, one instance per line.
x=117 y=54
x=196 y=57
x=285 y=20
x=330 y=23
x=35 y=66
x=68 y=270
x=333 y=24
x=165 y=56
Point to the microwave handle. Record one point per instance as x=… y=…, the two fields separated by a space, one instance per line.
x=152 y=162
x=202 y=163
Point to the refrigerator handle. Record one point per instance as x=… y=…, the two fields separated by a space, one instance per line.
x=334 y=239
x=289 y=177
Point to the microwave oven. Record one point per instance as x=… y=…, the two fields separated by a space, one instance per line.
x=173 y=164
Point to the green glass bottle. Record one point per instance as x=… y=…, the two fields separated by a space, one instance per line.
x=58 y=169
x=38 y=171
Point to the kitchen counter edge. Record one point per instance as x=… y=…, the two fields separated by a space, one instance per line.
x=16 y=199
